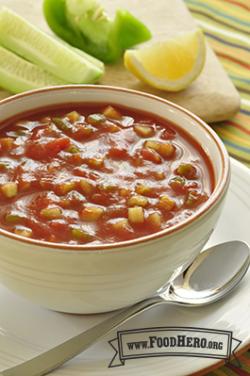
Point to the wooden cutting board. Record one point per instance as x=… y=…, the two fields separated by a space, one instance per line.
x=212 y=96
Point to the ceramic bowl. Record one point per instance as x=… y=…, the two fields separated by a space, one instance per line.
x=92 y=279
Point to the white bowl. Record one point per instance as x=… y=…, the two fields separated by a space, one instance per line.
x=92 y=279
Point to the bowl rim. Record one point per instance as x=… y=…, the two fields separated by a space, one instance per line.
x=216 y=196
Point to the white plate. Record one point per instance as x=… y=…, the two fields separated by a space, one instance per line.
x=26 y=329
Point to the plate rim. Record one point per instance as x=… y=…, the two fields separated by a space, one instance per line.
x=246 y=347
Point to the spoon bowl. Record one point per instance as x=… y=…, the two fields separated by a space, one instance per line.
x=210 y=277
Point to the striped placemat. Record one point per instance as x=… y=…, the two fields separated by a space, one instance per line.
x=226 y=24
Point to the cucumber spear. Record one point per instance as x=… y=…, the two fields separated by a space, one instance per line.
x=34 y=45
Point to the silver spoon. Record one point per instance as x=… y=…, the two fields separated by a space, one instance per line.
x=211 y=276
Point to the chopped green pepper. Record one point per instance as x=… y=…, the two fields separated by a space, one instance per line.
x=85 y=25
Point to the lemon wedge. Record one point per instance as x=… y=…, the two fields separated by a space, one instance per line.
x=169 y=65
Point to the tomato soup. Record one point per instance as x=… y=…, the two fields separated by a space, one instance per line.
x=98 y=174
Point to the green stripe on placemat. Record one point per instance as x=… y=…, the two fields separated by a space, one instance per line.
x=226 y=24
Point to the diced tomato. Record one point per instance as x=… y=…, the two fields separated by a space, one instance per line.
x=120 y=230
x=40 y=151
x=60 y=227
x=23 y=185
x=45 y=184
x=194 y=199
x=39 y=202
x=78 y=171
x=111 y=127
x=73 y=200
x=40 y=229
x=116 y=211
x=151 y=155
x=75 y=159
x=168 y=134
x=101 y=199
x=82 y=131
x=37 y=132
x=178 y=184
x=117 y=153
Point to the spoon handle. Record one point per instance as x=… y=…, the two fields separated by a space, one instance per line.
x=53 y=358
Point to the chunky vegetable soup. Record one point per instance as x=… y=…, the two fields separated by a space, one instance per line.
x=98 y=174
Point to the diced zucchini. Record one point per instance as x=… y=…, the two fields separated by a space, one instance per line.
x=86 y=187
x=73 y=149
x=155 y=220
x=4 y=166
x=108 y=188
x=144 y=130
x=62 y=124
x=166 y=203
x=14 y=217
x=23 y=231
x=96 y=119
x=81 y=235
x=91 y=213
x=73 y=116
x=112 y=113
x=6 y=142
x=166 y=150
x=112 y=128
x=159 y=175
x=95 y=163
x=124 y=192
x=136 y=215
x=144 y=190
x=138 y=201
x=121 y=225
x=51 y=213
x=64 y=188
x=187 y=170
x=9 y=189
x=152 y=145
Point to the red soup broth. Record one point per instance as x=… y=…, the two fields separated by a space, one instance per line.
x=98 y=174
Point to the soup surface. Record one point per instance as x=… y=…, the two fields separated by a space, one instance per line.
x=98 y=174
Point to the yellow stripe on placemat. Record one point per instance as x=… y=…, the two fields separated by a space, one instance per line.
x=224 y=17
x=227 y=27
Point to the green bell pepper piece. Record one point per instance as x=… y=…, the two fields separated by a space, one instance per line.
x=85 y=25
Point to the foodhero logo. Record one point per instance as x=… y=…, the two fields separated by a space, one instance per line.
x=182 y=341
x=172 y=341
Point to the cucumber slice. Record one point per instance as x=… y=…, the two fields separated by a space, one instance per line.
x=18 y=75
x=40 y=48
